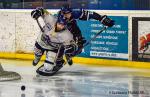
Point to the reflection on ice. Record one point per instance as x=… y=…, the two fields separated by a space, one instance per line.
x=79 y=81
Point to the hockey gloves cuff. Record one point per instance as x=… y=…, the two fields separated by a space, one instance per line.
x=37 y=13
x=107 y=21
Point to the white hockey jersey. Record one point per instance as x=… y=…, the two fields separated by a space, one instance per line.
x=49 y=38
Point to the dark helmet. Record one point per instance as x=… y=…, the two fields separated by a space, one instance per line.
x=66 y=9
x=61 y=20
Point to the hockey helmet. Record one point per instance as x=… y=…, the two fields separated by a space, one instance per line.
x=66 y=9
x=61 y=20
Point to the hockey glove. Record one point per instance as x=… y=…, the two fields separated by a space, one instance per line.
x=107 y=21
x=70 y=49
x=80 y=41
x=37 y=13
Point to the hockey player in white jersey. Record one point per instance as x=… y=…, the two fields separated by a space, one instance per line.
x=55 y=40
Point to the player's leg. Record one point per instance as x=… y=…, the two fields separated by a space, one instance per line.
x=48 y=65
x=38 y=52
x=59 y=61
x=53 y=63
x=69 y=59
x=70 y=52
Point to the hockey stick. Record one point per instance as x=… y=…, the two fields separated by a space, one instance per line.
x=89 y=42
x=69 y=59
x=39 y=25
x=104 y=28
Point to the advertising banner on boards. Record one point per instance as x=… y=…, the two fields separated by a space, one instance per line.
x=111 y=43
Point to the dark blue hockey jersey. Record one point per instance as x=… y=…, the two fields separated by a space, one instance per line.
x=82 y=14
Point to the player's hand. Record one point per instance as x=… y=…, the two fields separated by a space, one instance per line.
x=70 y=49
x=107 y=21
x=37 y=13
x=80 y=41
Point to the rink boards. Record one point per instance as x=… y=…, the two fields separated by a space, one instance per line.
x=19 y=32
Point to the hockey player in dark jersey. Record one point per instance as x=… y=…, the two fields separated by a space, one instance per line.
x=71 y=15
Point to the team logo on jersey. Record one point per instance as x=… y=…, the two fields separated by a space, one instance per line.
x=48 y=26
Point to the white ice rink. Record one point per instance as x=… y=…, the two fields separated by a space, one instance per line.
x=76 y=81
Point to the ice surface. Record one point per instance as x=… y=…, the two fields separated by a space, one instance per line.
x=76 y=81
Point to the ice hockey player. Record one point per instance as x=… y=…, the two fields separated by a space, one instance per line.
x=55 y=40
x=71 y=15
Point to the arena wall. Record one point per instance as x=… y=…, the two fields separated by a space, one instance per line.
x=18 y=32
